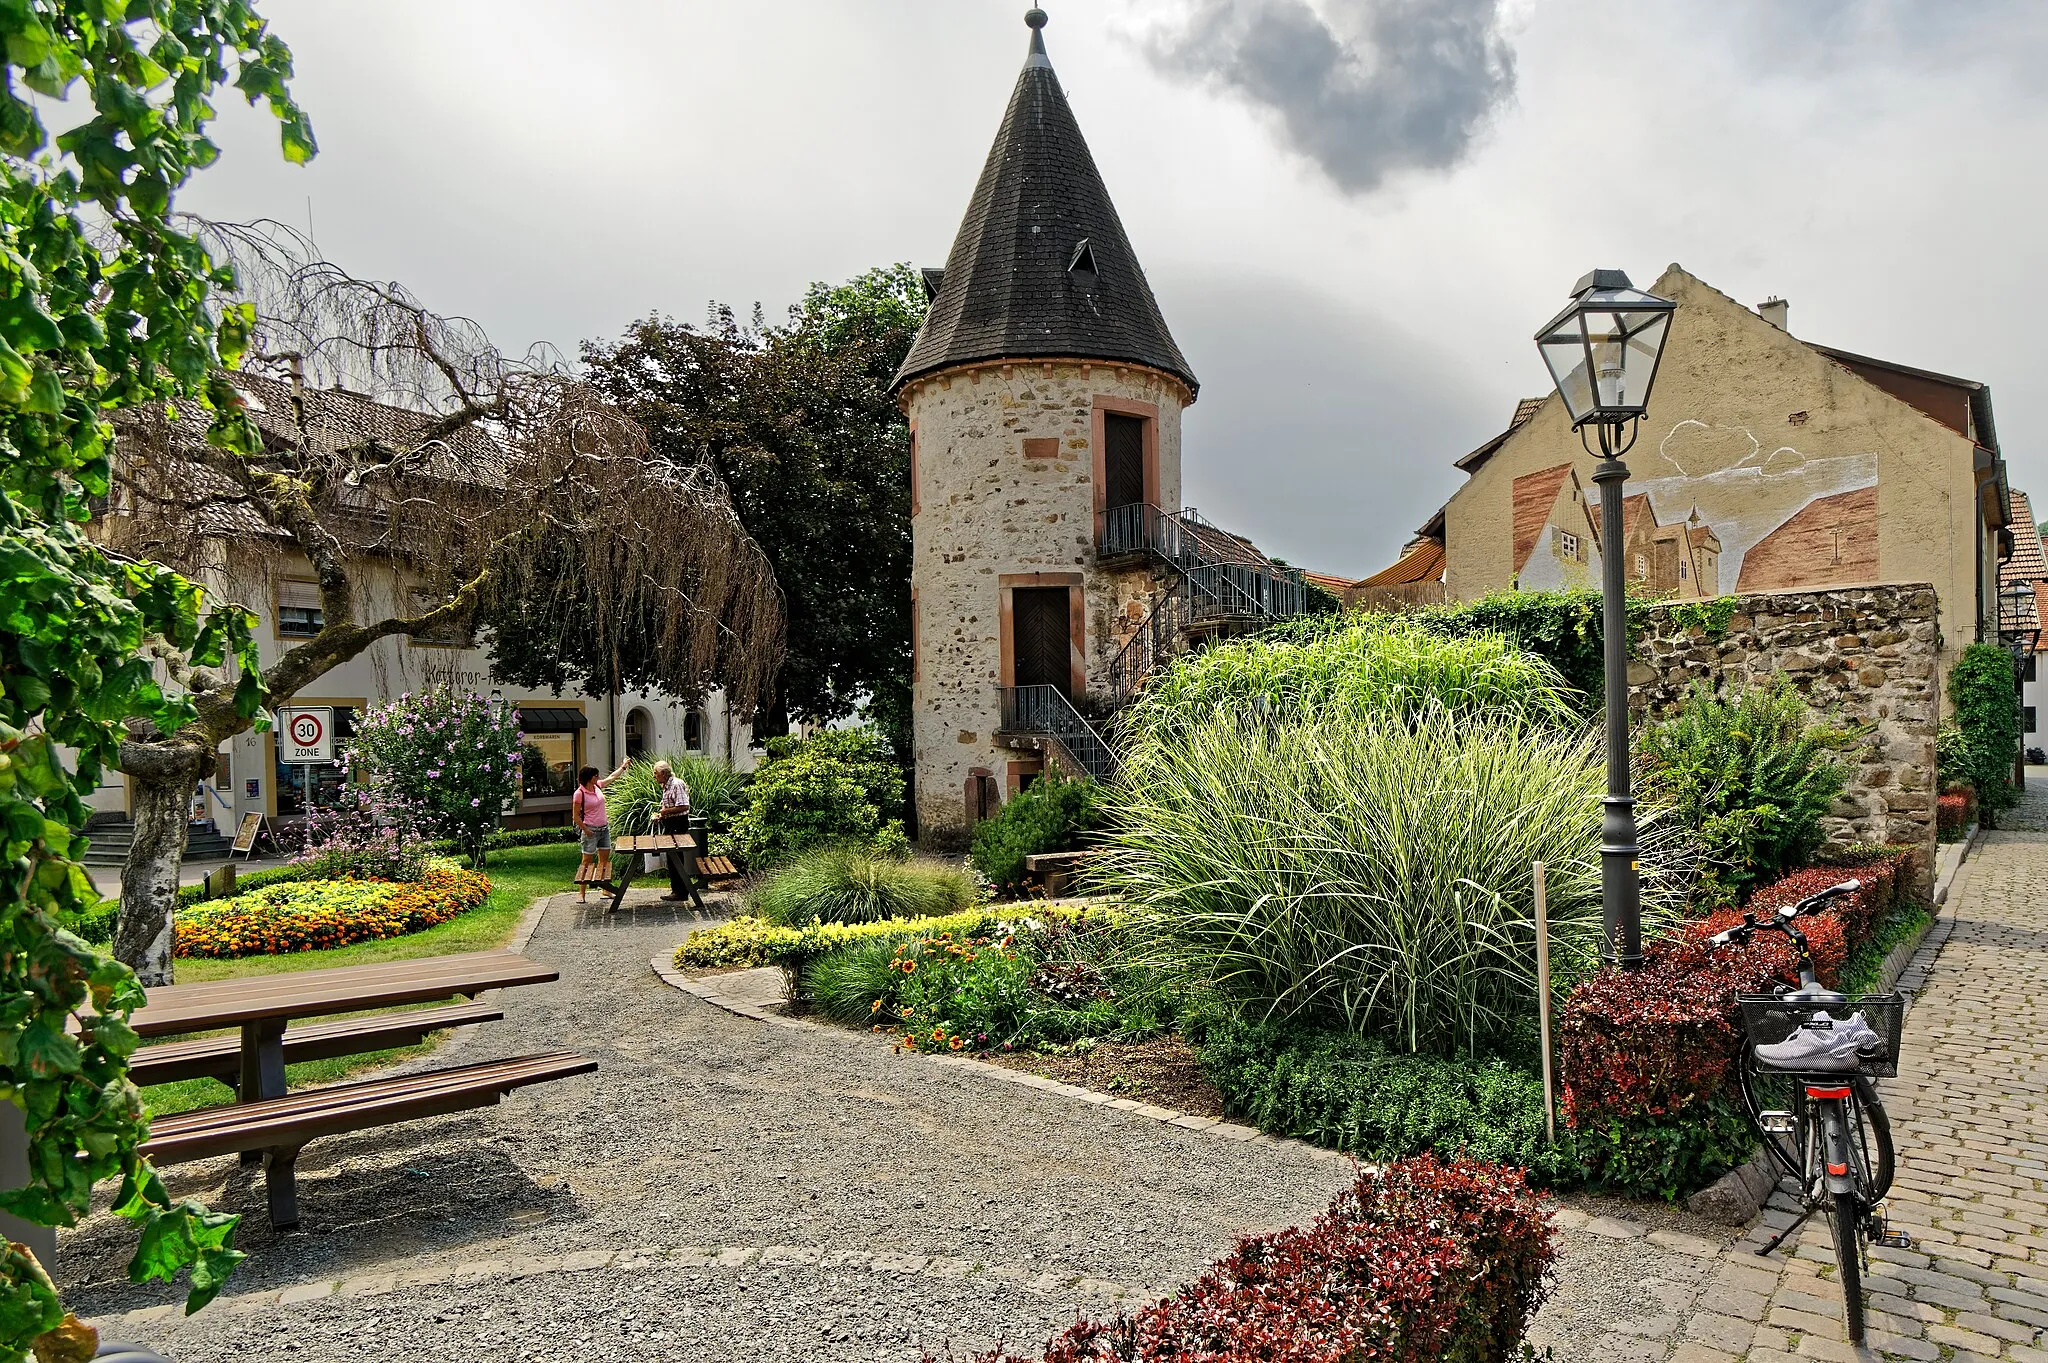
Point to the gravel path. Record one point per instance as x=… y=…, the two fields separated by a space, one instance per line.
x=728 y=1189
x=701 y=1130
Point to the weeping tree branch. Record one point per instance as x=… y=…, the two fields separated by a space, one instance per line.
x=425 y=477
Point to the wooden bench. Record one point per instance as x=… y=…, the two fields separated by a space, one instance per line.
x=590 y=875
x=220 y=1057
x=712 y=870
x=279 y=1127
x=1055 y=871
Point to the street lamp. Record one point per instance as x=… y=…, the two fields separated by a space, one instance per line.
x=1602 y=351
x=2018 y=628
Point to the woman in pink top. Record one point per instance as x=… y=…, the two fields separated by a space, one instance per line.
x=587 y=813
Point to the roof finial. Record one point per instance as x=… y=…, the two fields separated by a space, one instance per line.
x=1036 y=19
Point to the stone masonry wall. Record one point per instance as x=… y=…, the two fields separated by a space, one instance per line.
x=1867 y=655
x=988 y=506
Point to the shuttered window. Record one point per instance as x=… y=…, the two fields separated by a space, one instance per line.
x=298 y=609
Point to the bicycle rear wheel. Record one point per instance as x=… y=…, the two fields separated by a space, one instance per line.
x=1848 y=1229
x=1770 y=1090
x=1873 y=1135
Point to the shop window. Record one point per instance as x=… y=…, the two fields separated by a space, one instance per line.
x=547 y=764
x=303 y=787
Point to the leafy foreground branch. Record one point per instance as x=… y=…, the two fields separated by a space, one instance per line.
x=93 y=321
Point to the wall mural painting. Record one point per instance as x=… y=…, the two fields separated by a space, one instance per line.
x=1710 y=512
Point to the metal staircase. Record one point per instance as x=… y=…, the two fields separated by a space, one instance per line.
x=1215 y=585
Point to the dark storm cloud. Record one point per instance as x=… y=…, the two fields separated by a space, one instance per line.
x=1361 y=87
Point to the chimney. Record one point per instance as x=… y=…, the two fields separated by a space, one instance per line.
x=1773 y=310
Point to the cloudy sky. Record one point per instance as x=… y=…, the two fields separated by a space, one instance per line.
x=1354 y=212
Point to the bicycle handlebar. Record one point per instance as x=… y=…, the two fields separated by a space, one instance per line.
x=1813 y=903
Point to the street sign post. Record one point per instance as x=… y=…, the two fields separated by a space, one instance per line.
x=307 y=734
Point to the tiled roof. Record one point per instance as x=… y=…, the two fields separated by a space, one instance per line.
x=1535 y=494
x=1018 y=282
x=1525 y=409
x=2029 y=562
x=335 y=419
x=1423 y=563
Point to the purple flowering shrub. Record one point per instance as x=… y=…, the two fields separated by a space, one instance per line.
x=370 y=835
x=452 y=755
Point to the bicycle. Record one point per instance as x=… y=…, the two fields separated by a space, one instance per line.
x=1809 y=1062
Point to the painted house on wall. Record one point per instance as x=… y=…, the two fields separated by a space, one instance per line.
x=1765 y=463
x=2021 y=614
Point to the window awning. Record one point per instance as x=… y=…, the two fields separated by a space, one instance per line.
x=550 y=719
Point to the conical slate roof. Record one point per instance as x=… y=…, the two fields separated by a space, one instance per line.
x=1018 y=283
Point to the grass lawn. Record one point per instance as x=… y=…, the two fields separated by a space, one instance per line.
x=519 y=875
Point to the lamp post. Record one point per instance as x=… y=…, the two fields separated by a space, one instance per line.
x=1602 y=352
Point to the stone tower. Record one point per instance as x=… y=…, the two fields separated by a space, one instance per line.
x=1044 y=397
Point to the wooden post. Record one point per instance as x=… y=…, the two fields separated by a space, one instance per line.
x=1543 y=1002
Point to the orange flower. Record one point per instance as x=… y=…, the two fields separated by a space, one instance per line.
x=875 y=1007
x=958 y=1043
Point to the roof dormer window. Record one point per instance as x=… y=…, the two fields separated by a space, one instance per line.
x=1082 y=266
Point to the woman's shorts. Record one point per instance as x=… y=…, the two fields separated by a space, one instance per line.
x=597 y=840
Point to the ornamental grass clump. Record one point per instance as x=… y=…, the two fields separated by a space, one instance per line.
x=635 y=799
x=1369 y=665
x=850 y=884
x=1371 y=873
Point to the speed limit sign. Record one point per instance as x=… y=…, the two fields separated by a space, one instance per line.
x=307 y=735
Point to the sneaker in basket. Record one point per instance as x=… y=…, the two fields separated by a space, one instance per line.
x=1839 y=1046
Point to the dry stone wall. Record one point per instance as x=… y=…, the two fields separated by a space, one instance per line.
x=1868 y=655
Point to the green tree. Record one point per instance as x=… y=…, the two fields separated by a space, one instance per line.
x=105 y=304
x=837 y=786
x=799 y=422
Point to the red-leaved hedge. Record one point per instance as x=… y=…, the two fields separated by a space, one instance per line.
x=1422 y=1262
x=1953 y=812
x=1648 y=1044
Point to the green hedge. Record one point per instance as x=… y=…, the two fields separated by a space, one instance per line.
x=1343 y=1091
x=1982 y=691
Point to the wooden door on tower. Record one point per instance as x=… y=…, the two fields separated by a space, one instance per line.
x=1041 y=633
x=1123 y=460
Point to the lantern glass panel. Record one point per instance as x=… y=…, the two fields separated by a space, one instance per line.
x=1564 y=352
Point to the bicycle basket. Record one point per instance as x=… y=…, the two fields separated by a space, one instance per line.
x=1770 y=1018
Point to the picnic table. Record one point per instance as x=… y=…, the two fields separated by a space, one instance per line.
x=696 y=869
x=268 y=1123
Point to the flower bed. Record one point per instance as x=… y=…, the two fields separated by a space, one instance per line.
x=1419 y=1262
x=757 y=942
x=314 y=915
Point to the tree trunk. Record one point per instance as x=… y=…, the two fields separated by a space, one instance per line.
x=163 y=777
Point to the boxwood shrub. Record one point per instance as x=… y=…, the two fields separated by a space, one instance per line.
x=1349 y=1093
